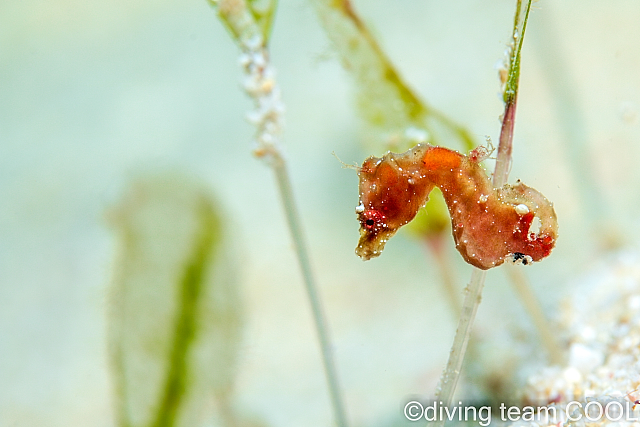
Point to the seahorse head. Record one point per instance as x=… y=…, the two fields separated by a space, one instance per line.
x=390 y=197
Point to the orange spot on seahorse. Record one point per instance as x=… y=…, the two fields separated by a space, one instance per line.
x=439 y=158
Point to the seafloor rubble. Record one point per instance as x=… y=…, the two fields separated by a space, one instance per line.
x=601 y=324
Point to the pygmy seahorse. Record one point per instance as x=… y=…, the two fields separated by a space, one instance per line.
x=490 y=225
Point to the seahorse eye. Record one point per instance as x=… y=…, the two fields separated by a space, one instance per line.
x=371 y=219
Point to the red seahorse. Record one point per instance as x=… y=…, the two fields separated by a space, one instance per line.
x=489 y=224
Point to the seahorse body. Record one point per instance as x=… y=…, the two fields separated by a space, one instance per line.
x=489 y=224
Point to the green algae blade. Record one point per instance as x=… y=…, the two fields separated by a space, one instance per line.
x=174 y=312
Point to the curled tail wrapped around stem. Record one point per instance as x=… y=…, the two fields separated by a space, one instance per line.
x=490 y=225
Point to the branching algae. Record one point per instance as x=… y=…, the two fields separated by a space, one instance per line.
x=490 y=225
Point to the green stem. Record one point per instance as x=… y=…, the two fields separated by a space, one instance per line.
x=473 y=292
x=505 y=147
x=523 y=288
x=293 y=221
x=503 y=163
x=436 y=247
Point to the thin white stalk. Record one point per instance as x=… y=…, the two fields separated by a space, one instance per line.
x=451 y=374
x=293 y=220
x=261 y=85
x=270 y=151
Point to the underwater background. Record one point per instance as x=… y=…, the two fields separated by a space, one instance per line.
x=96 y=97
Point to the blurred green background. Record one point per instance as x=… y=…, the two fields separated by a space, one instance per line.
x=93 y=95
